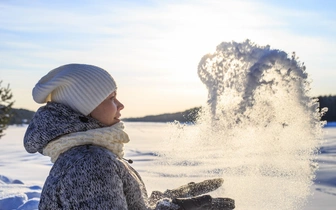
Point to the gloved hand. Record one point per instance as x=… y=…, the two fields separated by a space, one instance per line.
x=204 y=202
x=193 y=189
x=189 y=190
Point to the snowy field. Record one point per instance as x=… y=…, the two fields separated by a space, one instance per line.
x=22 y=174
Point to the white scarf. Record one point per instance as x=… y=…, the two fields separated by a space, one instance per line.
x=112 y=138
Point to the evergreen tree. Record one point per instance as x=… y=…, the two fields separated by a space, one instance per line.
x=5 y=107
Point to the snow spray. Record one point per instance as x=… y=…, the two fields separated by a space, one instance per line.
x=259 y=130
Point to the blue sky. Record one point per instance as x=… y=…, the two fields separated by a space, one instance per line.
x=152 y=48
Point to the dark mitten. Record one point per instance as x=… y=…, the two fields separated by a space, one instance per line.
x=222 y=204
x=205 y=202
x=194 y=203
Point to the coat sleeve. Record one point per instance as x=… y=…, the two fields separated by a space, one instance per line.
x=92 y=182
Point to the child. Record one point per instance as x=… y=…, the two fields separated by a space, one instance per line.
x=80 y=129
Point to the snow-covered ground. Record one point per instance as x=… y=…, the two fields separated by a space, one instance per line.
x=22 y=174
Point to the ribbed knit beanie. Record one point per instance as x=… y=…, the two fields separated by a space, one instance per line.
x=80 y=86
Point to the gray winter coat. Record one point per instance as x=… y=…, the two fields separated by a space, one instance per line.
x=86 y=176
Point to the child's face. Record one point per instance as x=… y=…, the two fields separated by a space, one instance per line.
x=108 y=111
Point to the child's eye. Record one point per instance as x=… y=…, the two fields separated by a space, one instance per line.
x=113 y=97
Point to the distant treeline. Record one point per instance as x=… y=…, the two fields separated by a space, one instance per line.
x=23 y=116
x=188 y=116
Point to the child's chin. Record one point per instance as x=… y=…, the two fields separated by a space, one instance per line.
x=115 y=121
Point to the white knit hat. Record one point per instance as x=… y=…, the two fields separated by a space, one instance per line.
x=79 y=86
